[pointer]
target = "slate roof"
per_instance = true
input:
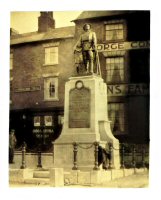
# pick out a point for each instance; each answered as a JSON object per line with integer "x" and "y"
{"x": 96, "y": 14}
{"x": 57, "y": 33}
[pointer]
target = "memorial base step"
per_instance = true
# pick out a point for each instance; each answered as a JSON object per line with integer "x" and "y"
{"x": 37, "y": 181}
{"x": 41, "y": 174}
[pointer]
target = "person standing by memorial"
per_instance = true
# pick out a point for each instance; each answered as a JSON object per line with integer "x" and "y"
{"x": 12, "y": 144}
{"x": 87, "y": 44}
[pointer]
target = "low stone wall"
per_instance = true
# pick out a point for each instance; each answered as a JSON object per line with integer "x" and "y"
{"x": 97, "y": 177}
{"x": 32, "y": 160}
{"x": 19, "y": 175}
{"x": 57, "y": 177}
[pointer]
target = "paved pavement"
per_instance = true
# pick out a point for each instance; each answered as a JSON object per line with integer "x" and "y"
{"x": 134, "y": 181}
{"x": 140, "y": 180}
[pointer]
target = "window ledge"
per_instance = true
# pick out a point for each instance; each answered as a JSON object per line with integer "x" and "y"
{"x": 51, "y": 64}
{"x": 55, "y": 99}
{"x": 50, "y": 75}
{"x": 120, "y": 133}
{"x": 113, "y": 41}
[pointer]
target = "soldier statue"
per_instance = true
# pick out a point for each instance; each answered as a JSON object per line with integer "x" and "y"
{"x": 87, "y": 45}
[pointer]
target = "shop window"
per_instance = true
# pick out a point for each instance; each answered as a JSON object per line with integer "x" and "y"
{"x": 60, "y": 119}
{"x": 43, "y": 120}
{"x": 37, "y": 121}
{"x": 51, "y": 89}
{"x": 51, "y": 55}
{"x": 114, "y": 31}
{"x": 115, "y": 70}
{"x": 11, "y": 61}
{"x": 117, "y": 117}
{"x": 48, "y": 120}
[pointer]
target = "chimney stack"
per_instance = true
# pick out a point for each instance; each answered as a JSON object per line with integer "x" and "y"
{"x": 46, "y": 22}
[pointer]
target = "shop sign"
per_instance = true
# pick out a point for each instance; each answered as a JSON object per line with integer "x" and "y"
{"x": 127, "y": 89}
{"x": 123, "y": 46}
{"x": 45, "y": 133}
{"x": 28, "y": 89}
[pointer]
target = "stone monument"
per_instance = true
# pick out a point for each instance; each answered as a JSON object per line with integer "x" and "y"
{"x": 86, "y": 120}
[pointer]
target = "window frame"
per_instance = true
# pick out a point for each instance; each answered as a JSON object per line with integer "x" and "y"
{"x": 47, "y": 86}
{"x": 48, "y": 47}
{"x": 11, "y": 89}
{"x": 123, "y": 121}
{"x": 51, "y": 56}
{"x": 11, "y": 60}
{"x": 37, "y": 124}
{"x": 112, "y": 23}
{"x": 60, "y": 119}
{"x": 121, "y": 68}
{"x": 46, "y": 122}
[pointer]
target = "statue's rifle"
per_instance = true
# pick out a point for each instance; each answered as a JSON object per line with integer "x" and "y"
{"x": 98, "y": 64}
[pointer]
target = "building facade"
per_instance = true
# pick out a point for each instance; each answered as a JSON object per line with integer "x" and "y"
{"x": 41, "y": 63}
{"x": 123, "y": 39}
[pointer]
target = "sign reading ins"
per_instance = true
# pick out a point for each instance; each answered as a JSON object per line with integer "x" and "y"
{"x": 127, "y": 89}
{"x": 123, "y": 46}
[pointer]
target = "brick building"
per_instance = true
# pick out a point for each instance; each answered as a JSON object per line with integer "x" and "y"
{"x": 42, "y": 61}
{"x": 124, "y": 52}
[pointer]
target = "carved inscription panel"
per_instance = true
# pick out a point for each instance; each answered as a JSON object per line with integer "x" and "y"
{"x": 79, "y": 108}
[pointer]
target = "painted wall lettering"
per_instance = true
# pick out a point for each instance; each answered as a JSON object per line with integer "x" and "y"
{"x": 127, "y": 89}
{"x": 110, "y": 46}
{"x": 28, "y": 89}
{"x": 123, "y": 46}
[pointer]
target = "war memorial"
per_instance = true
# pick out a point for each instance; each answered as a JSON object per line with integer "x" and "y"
{"x": 86, "y": 151}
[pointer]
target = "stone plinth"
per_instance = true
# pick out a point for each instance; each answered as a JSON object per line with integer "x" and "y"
{"x": 19, "y": 175}
{"x": 56, "y": 177}
{"x": 85, "y": 122}
{"x": 64, "y": 156}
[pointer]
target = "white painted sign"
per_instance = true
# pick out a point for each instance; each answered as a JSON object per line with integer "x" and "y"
{"x": 127, "y": 89}
{"x": 115, "y": 46}
{"x": 28, "y": 89}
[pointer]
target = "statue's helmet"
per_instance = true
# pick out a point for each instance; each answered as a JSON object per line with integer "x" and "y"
{"x": 85, "y": 25}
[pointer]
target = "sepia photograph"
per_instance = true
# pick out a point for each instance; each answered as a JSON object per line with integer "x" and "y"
{"x": 79, "y": 99}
